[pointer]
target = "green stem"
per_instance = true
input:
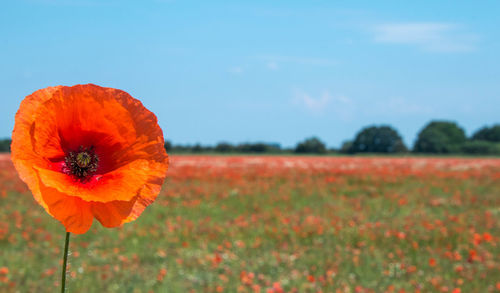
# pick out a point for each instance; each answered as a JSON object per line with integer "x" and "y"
{"x": 65, "y": 261}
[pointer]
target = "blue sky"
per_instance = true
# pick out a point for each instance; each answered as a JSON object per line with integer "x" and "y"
{"x": 273, "y": 71}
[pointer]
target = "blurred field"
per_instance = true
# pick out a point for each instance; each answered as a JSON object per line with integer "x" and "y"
{"x": 275, "y": 224}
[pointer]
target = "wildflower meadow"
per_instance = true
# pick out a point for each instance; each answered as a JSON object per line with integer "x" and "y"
{"x": 274, "y": 224}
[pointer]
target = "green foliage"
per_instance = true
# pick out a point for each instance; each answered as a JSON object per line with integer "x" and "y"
{"x": 5, "y": 145}
{"x": 373, "y": 139}
{"x": 440, "y": 137}
{"x": 197, "y": 148}
{"x": 259, "y": 147}
{"x": 168, "y": 145}
{"x": 312, "y": 146}
{"x": 346, "y": 147}
{"x": 481, "y": 147}
{"x": 491, "y": 134}
{"x": 224, "y": 147}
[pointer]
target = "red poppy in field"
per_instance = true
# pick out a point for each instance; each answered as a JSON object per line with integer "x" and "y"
{"x": 86, "y": 151}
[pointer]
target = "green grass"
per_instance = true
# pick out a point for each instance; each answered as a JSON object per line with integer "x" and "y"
{"x": 365, "y": 232}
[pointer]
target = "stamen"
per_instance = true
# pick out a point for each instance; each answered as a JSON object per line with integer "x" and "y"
{"x": 81, "y": 164}
{"x": 83, "y": 159}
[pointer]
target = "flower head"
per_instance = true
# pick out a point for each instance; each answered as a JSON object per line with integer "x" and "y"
{"x": 89, "y": 152}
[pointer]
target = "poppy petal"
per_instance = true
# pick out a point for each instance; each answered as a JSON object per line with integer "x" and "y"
{"x": 129, "y": 162}
{"x": 22, "y": 146}
{"x": 146, "y": 196}
{"x": 121, "y": 184}
{"x": 124, "y": 131}
{"x": 112, "y": 214}
{"x": 71, "y": 211}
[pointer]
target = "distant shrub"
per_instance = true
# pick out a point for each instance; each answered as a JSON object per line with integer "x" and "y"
{"x": 5, "y": 144}
{"x": 168, "y": 145}
{"x": 440, "y": 137}
{"x": 381, "y": 139}
{"x": 491, "y": 134}
{"x": 224, "y": 147}
{"x": 311, "y": 145}
{"x": 258, "y": 147}
{"x": 481, "y": 147}
{"x": 197, "y": 148}
{"x": 346, "y": 147}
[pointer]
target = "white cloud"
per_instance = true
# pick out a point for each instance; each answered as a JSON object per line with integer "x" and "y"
{"x": 341, "y": 106}
{"x": 312, "y": 104}
{"x": 428, "y": 36}
{"x": 346, "y": 109}
{"x": 235, "y": 70}
{"x": 272, "y": 65}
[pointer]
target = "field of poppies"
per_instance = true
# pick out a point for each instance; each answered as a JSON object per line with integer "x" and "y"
{"x": 275, "y": 224}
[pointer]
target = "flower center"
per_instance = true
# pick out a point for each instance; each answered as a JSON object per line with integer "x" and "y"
{"x": 81, "y": 164}
{"x": 83, "y": 159}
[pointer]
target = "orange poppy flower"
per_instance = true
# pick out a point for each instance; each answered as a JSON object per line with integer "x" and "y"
{"x": 87, "y": 151}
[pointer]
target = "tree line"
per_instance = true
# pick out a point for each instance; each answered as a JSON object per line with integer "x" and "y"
{"x": 437, "y": 137}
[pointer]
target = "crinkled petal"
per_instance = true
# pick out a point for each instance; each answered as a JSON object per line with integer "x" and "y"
{"x": 146, "y": 196}
{"x": 71, "y": 211}
{"x": 121, "y": 184}
{"x": 125, "y": 136}
{"x": 112, "y": 214}
{"x": 22, "y": 147}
